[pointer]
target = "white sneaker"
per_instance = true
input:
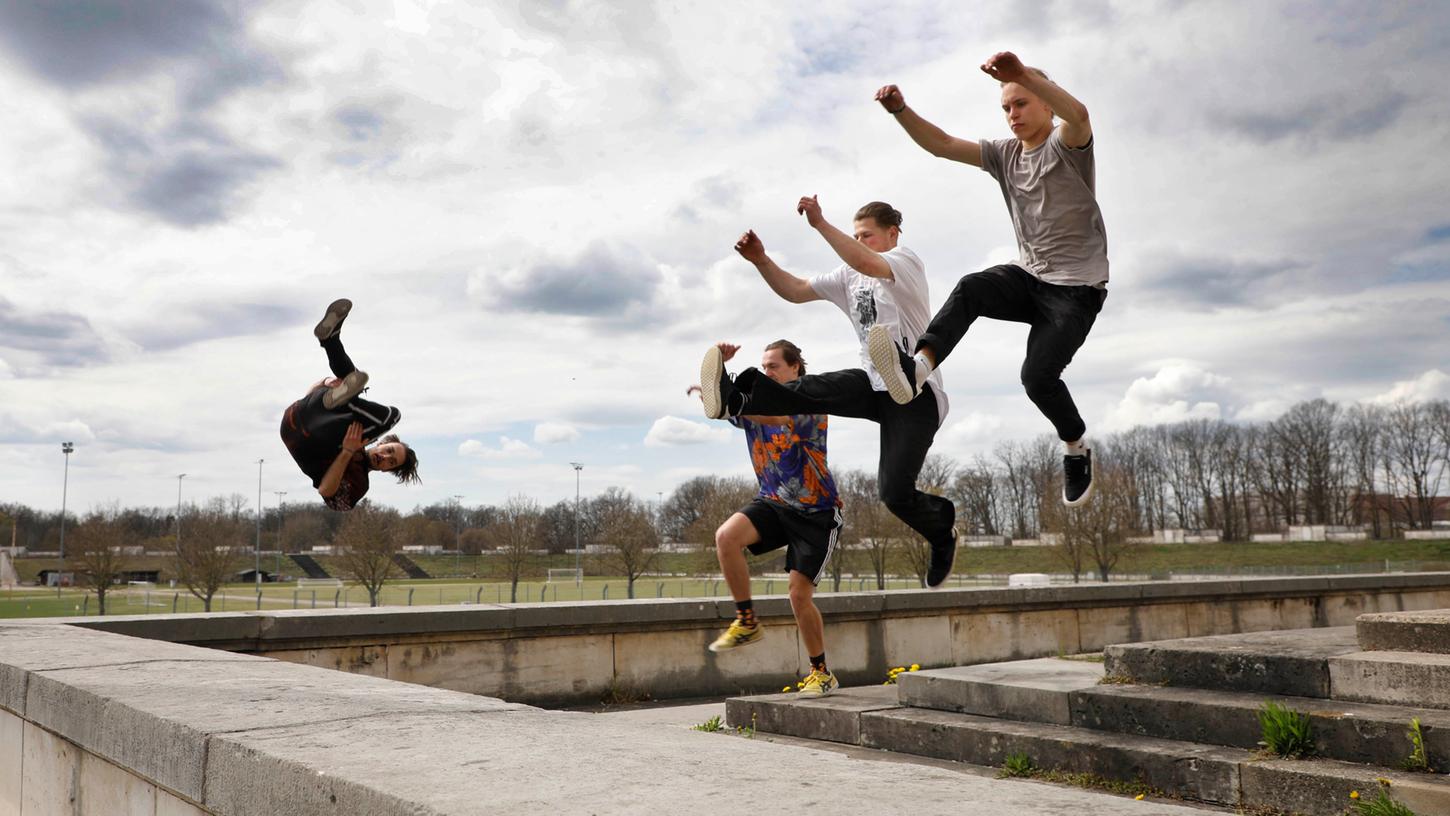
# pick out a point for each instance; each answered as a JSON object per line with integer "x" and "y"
{"x": 898, "y": 369}
{"x": 712, "y": 370}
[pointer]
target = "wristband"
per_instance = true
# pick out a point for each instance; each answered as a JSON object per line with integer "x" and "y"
{"x": 898, "y": 110}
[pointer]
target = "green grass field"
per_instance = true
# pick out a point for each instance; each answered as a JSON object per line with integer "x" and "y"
{"x": 455, "y": 581}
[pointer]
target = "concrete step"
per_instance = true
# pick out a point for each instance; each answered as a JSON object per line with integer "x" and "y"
{"x": 1293, "y": 662}
{"x": 1023, "y": 690}
{"x": 1352, "y": 732}
{"x": 1394, "y": 678}
{"x": 1426, "y": 631}
{"x": 1216, "y": 774}
{"x": 1068, "y": 692}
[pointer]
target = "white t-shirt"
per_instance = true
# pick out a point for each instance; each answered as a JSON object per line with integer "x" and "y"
{"x": 899, "y": 304}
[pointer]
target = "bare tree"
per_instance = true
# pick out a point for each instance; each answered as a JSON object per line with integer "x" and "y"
{"x": 101, "y": 543}
{"x": 714, "y": 499}
{"x": 1362, "y": 440}
{"x": 1106, "y": 521}
{"x": 867, "y": 529}
{"x": 210, "y": 551}
{"x": 627, "y": 531}
{"x": 369, "y": 538}
{"x": 975, "y": 493}
{"x": 1413, "y": 461}
{"x": 515, "y": 533}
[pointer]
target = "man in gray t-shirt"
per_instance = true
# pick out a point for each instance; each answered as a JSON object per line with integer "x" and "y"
{"x": 1059, "y": 282}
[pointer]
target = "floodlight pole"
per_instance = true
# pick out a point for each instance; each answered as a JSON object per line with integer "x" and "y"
{"x": 66, "y": 448}
{"x": 257, "y": 549}
{"x": 578, "y": 571}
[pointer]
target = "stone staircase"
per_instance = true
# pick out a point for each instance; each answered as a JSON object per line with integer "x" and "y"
{"x": 1180, "y": 716}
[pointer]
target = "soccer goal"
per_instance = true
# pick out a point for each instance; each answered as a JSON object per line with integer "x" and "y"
{"x": 565, "y": 575}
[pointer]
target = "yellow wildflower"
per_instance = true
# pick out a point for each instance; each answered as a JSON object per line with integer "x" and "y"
{"x": 1354, "y": 794}
{"x": 1138, "y": 798}
{"x": 787, "y": 688}
{"x": 916, "y": 667}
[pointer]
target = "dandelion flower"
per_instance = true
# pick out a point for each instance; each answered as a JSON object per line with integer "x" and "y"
{"x": 916, "y": 667}
{"x": 1138, "y": 798}
{"x": 787, "y": 688}
{"x": 1354, "y": 794}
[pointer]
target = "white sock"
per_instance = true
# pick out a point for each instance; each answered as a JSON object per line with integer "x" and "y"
{"x": 1076, "y": 448}
{"x": 923, "y": 368}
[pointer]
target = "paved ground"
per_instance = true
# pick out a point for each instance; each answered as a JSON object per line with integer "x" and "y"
{"x": 922, "y": 790}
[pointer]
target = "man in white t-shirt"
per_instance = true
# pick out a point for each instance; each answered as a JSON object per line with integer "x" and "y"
{"x": 1059, "y": 282}
{"x": 878, "y": 285}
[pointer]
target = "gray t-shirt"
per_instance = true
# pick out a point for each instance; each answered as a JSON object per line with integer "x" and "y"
{"x": 1050, "y": 193}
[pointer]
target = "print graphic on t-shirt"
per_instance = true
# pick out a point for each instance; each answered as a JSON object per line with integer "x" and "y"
{"x": 865, "y": 308}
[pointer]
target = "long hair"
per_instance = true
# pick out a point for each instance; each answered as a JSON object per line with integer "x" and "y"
{"x": 407, "y": 472}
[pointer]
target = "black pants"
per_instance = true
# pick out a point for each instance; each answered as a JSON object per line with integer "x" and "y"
{"x": 906, "y": 435}
{"x": 374, "y": 416}
{"x": 1060, "y": 316}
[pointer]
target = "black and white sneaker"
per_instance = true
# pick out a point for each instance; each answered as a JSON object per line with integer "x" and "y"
{"x": 896, "y": 367}
{"x": 331, "y": 322}
{"x": 346, "y": 388}
{"x": 717, "y": 392}
{"x": 1077, "y": 479}
{"x": 943, "y": 557}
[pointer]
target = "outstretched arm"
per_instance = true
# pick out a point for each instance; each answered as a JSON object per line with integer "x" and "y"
{"x": 1077, "y": 130}
{"x": 352, "y": 442}
{"x": 932, "y": 139}
{"x": 855, "y": 254}
{"x": 788, "y": 286}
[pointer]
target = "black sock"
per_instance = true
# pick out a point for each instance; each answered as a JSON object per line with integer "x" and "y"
{"x": 744, "y": 610}
{"x": 818, "y": 662}
{"x": 337, "y": 359}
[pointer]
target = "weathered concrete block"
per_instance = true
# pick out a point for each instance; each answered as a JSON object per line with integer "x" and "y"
{"x": 1201, "y": 772}
{"x": 1352, "y": 732}
{"x": 679, "y": 664}
{"x": 1291, "y": 663}
{"x": 1321, "y": 787}
{"x": 848, "y": 603}
{"x": 1420, "y": 631}
{"x": 168, "y": 805}
{"x": 1402, "y": 678}
{"x": 924, "y": 640}
{"x": 232, "y": 628}
{"x": 1342, "y": 609}
{"x": 531, "y": 670}
{"x": 1024, "y": 690}
{"x": 835, "y": 717}
{"x": 1102, "y": 626}
{"x": 988, "y": 637}
{"x": 12, "y": 740}
{"x": 322, "y": 625}
{"x": 52, "y": 766}
{"x": 371, "y": 661}
{"x": 106, "y": 790}
{"x": 621, "y": 613}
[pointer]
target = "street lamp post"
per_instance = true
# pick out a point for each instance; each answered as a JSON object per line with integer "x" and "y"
{"x": 257, "y": 550}
{"x": 281, "y": 524}
{"x": 458, "y": 534}
{"x": 66, "y": 448}
{"x": 179, "y": 477}
{"x": 578, "y": 571}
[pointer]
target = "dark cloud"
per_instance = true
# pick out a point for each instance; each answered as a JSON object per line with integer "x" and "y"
{"x": 718, "y": 193}
{"x": 54, "y": 337}
{"x": 174, "y": 165}
{"x": 186, "y": 324}
{"x": 1218, "y": 282}
{"x": 1335, "y": 117}
{"x": 603, "y": 282}
{"x": 358, "y": 123}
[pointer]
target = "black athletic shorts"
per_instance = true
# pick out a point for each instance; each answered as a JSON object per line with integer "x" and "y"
{"x": 808, "y": 538}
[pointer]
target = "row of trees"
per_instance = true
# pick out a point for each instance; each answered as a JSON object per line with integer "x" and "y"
{"x": 1319, "y": 463}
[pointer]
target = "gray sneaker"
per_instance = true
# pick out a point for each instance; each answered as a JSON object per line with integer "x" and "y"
{"x": 331, "y": 322}
{"x": 346, "y": 388}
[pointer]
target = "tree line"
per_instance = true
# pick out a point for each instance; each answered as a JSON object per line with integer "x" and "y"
{"x": 1379, "y": 468}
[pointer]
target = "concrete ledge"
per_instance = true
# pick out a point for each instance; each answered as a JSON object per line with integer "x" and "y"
{"x": 834, "y": 718}
{"x": 1426, "y": 631}
{"x": 1321, "y": 786}
{"x": 1024, "y": 690}
{"x": 1397, "y": 678}
{"x": 1290, "y": 663}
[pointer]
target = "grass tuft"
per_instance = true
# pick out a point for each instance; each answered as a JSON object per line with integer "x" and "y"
{"x": 1286, "y": 733}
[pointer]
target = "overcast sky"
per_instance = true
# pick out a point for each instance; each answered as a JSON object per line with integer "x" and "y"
{"x": 533, "y": 205}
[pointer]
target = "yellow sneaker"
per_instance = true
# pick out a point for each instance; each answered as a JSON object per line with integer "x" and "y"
{"x": 738, "y": 635}
{"x": 818, "y": 684}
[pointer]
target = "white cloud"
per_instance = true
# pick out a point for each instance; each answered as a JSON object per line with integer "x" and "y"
{"x": 1176, "y": 392}
{"x": 1432, "y": 385}
{"x": 671, "y": 431}
{"x": 552, "y": 433}
{"x": 507, "y": 449}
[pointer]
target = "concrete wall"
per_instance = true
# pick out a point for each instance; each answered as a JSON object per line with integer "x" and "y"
{"x": 578, "y": 653}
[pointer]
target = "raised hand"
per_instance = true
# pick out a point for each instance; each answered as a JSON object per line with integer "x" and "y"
{"x": 750, "y": 247}
{"x": 727, "y": 350}
{"x": 1004, "y": 66}
{"x": 811, "y": 209}
{"x": 352, "y": 441}
{"x": 891, "y": 99}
